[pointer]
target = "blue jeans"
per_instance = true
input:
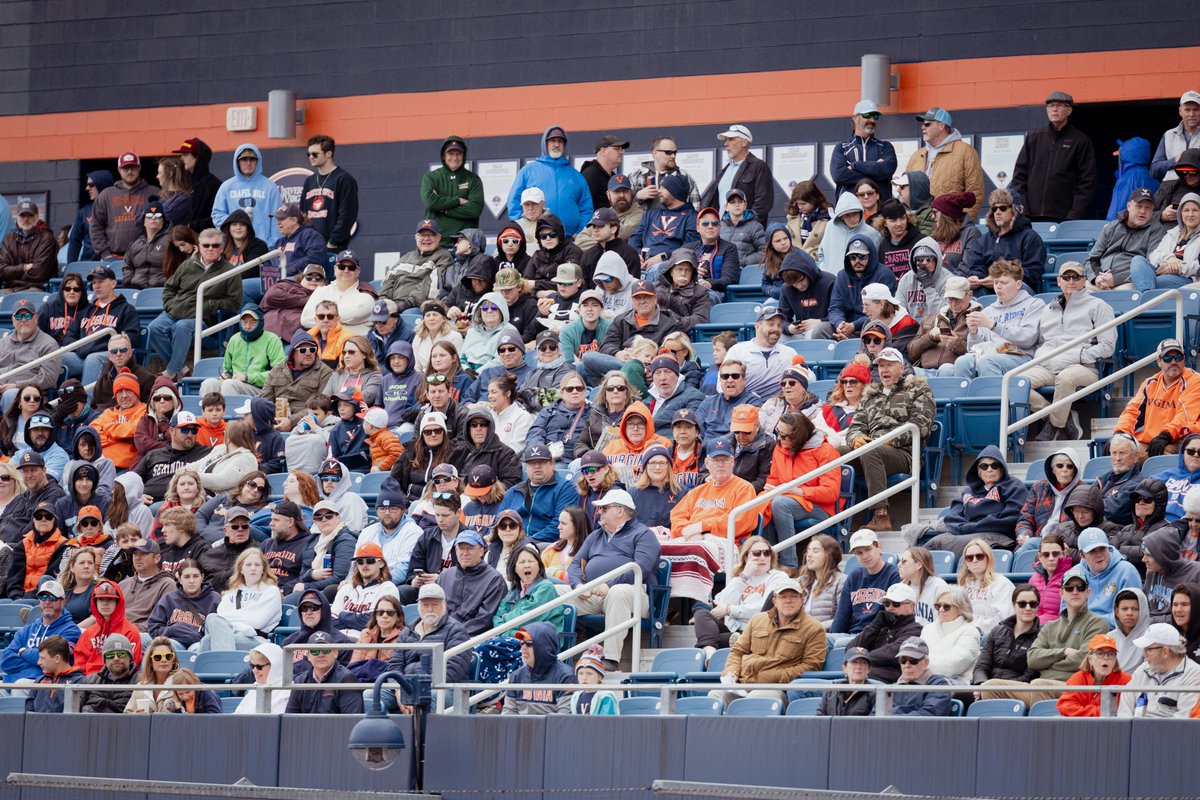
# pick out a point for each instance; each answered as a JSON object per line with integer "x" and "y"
{"x": 73, "y": 364}
{"x": 171, "y": 340}
{"x": 995, "y": 364}
{"x": 252, "y": 290}
{"x": 593, "y": 366}
{"x": 1144, "y": 278}
{"x": 788, "y": 517}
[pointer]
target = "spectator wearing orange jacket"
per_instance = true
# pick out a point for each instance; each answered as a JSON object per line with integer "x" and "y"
{"x": 799, "y": 449}
{"x": 1100, "y": 668}
{"x": 636, "y": 437}
{"x": 118, "y": 424}
{"x": 706, "y": 508}
{"x": 1166, "y": 407}
{"x": 385, "y": 445}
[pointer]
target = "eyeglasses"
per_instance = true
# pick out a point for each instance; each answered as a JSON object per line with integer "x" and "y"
{"x": 319, "y": 652}
{"x": 891, "y": 604}
{"x": 589, "y": 470}
{"x": 974, "y": 557}
{"x": 868, "y": 193}
{"x": 1074, "y": 588}
{"x": 48, "y": 598}
{"x": 870, "y": 115}
{"x": 1071, "y": 277}
{"x": 432, "y": 432}
{"x": 23, "y": 315}
{"x": 306, "y": 350}
{"x": 5, "y": 478}
{"x": 942, "y": 606}
{"x": 308, "y": 608}
{"x": 508, "y": 349}
{"x": 89, "y": 185}
{"x": 348, "y": 352}
{"x": 510, "y": 240}
{"x": 1050, "y": 554}
{"x": 385, "y": 612}
{"x": 323, "y": 517}
{"x": 1002, "y": 207}
{"x": 925, "y": 123}
{"x": 89, "y": 523}
{"x": 479, "y": 424}
{"x": 709, "y": 223}
{"x": 909, "y": 660}
{"x": 164, "y": 398}
{"x": 731, "y": 376}
{"x": 326, "y": 316}
{"x": 115, "y": 656}
{"x": 239, "y": 526}
{"x": 1193, "y": 452}
{"x": 616, "y": 388}
{"x": 1026, "y": 604}
{"x": 1172, "y": 358}
{"x": 1063, "y": 466}
{"x": 118, "y": 351}
{"x": 548, "y": 347}
{"x": 346, "y": 267}
{"x": 547, "y": 235}
{"x": 210, "y": 245}
{"x": 160, "y": 658}
{"x": 849, "y": 381}
{"x": 365, "y": 561}
{"x": 444, "y": 479}
{"x": 573, "y": 389}
{"x": 489, "y": 307}
{"x": 668, "y": 152}
{"x": 257, "y": 667}
{"x": 990, "y": 465}
{"x": 761, "y": 553}
{"x": 311, "y": 154}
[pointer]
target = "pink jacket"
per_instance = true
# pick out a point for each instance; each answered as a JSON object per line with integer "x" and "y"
{"x": 1050, "y": 589}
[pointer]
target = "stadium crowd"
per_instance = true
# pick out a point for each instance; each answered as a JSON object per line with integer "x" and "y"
{"x": 537, "y": 415}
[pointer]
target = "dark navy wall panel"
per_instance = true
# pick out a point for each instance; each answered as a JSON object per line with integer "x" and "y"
{"x": 1162, "y": 758}
{"x": 872, "y": 754}
{"x": 1043, "y": 750}
{"x": 226, "y": 749}
{"x": 73, "y": 55}
{"x": 12, "y": 734}
{"x": 492, "y": 753}
{"x": 313, "y": 754}
{"x": 788, "y": 751}
{"x": 100, "y": 745}
{"x": 646, "y": 748}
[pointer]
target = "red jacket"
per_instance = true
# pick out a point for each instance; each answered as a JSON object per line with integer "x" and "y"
{"x": 88, "y": 654}
{"x": 1087, "y": 704}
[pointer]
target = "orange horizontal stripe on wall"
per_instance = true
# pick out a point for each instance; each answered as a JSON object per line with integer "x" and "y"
{"x": 995, "y": 82}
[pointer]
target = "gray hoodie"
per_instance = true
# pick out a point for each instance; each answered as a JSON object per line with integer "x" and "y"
{"x": 1017, "y": 325}
{"x": 613, "y": 266}
{"x": 1129, "y": 655}
{"x": 922, "y": 292}
{"x": 831, "y": 255}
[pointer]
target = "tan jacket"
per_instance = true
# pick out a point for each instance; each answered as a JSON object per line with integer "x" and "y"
{"x": 769, "y": 653}
{"x": 955, "y": 170}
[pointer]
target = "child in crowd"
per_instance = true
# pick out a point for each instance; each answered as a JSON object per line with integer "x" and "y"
{"x": 308, "y": 445}
{"x": 721, "y": 344}
{"x": 212, "y": 422}
{"x": 589, "y": 671}
{"x": 384, "y": 445}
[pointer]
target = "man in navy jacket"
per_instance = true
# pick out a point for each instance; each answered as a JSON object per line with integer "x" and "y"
{"x": 864, "y": 156}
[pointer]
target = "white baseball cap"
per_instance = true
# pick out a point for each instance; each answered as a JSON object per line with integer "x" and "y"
{"x": 736, "y": 132}
{"x": 901, "y": 593}
{"x": 616, "y": 497}
{"x": 1191, "y": 96}
{"x": 877, "y": 291}
{"x": 865, "y": 107}
{"x": 533, "y": 195}
{"x": 1160, "y": 633}
{"x": 244, "y": 408}
{"x": 863, "y": 538}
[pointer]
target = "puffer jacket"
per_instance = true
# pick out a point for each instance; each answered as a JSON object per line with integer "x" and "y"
{"x": 1050, "y": 588}
{"x": 786, "y": 466}
{"x": 144, "y": 260}
{"x": 953, "y": 648}
{"x": 282, "y": 305}
{"x": 1019, "y": 243}
{"x": 747, "y": 234}
{"x": 690, "y": 303}
{"x": 1044, "y": 496}
{"x": 1002, "y": 653}
{"x": 557, "y": 423}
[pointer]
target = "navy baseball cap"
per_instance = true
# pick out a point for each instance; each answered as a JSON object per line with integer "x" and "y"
{"x": 619, "y": 182}
{"x": 537, "y": 452}
{"x": 720, "y": 447}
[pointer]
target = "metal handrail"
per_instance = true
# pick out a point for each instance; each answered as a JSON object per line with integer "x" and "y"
{"x": 201, "y": 331}
{"x": 66, "y": 348}
{"x": 1006, "y": 428}
{"x": 913, "y": 480}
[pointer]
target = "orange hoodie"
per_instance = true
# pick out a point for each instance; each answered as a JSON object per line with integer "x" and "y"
{"x": 822, "y": 491}
{"x": 385, "y": 449}
{"x": 710, "y": 505}
{"x": 626, "y": 457}
{"x": 116, "y": 429}
{"x": 88, "y": 653}
{"x": 1087, "y": 704}
{"x": 210, "y": 435}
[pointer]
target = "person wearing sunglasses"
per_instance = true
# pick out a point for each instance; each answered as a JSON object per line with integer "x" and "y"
{"x": 950, "y": 162}
{"x": 369, "y": 581}
{"x": 20, "y": 658}
{"x": 550, "y": 368}
{"x": 1011, "y": 237}
{"x": 171, "y": 333}
{"x": 489, "y": 322}
{"x": 507, "y": 537}
{"x": 291, "y": 383}
{"x": 511, "y": 251}
{"x": 119, "y": 355}
{"x": 644, "y": 181}
{"x": 860, "y": 269}
{"x": 539, "y": 664}
{"x": 1156, "y": 415}
{"x": 249, "y": 188}
{"x": 328, "y": 331}
{"x": 952, "y": 638}
{"x": 913, "y": 658}
{"x": 154, "y": 429}
{"x": 85, "y": 521}
{"x": 942, "y": 337}
{"x": 324, "y": 668}
{"x": 159, "y": 467}
{"x": 267, "y": 663}
{"x": 1045, "y": 506}
{"x": 1003, "y": 652}
{"x": 756, "y": 576}
{"x": 989, "y": 508}
{"x": 160, "y": 663}
{"x": 283, "y": 303}
{"x": 353, "y": 297}
{"x": 561, "y": 425}
{"x": 482, "y": 445}
{"x": 59, "y": 311}
{"x": 863, "y": 155}
{"x": 143, "y": 267}
{"x": 119, "y": 668}
{"x": 37, "y": 551}
{"x": 409, "y": 281}
{"x": 328, "y": 553}
{"x": 39, "y": 438}
{"x": 26, "y": 343}
{"x": 1053, "y": 561}
{"x": 554, "y": 248}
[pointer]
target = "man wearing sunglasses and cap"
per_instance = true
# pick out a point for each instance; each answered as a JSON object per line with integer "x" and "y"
{"x": 39, "y": 438}
{"x": 24, "y": 344}
{"x": 952, "y": 165}
{"x": 159, "y": 465}
{"x": 119, "y": 668}
{"x": 863, "y": 155}
{"x": 299, "y": 377}
{"x": 28, "y": 254}
{"x": 1166, "y": 406}
{"x": 20, "y": 658}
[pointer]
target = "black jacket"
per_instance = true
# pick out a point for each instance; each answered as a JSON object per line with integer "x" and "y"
{"x": 17, "y": 518}
{"x": 427, "y": 555}
{"x": 326, "y": 702}
{"x": 882, "y": 637}
{"x": 753, "y": 463}
{"x": 847, "y": 704}
{"x": 729, "y": 261}
{"x": 415, "y": 662}
{"x": 543, "y": 264}
{"x": 1002, "y": 654}
{"x": 492, "y": 452}
{"x": 204, "y": 189}
{"x": 597, "y": 181}
{"x": 1118, "y": 504}
{"x": 217, "y": 561}
{"x": 754, "y": 178}
{"x": 591, "y": 257}
{"x": 106, "y": 702}
{"x": 1056, "y": 173}
{"x": 624, "y": 328}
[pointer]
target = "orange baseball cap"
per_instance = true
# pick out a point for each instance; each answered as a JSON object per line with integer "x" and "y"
{"x": 1102, "y": 642}
{"x": 369, "y": 550}
{"x": 745, "y": 417}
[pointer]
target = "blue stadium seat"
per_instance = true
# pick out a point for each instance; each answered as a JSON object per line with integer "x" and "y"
{"x": 822, "y": 388}
{"x": 1044, "y": 708}
{"x": 289, "y": 623}
{"x": 11, "y": 622}
{"x": 754, "y": 707}
{"x": 803, "y": 707}
{"x": 567, "y": 637}
{"x": 411, "y": 614}
{"x": 1023, "y": 560}
{"x": 367, "y": 486}
{"x": 12, "y": 705}
{"x": 275, "y": 481}
{"x": 956, "y": 708}
{"x": 699, "y": 706}
{"x": 410, "y": 315}
{"x": 801, "y": 693}
{"x": 704, "y": 352}
{"x": 943, "y": 561}
{"x": 996, "y": 708}
{"x": 232, "y": 403}
{"x": 204, "y": 368}
{"x": 737, "y": 317}
{"x": 148, "y": 304}
{"x": 639, "y": 706}
{"x": 1003, "y": 559}
{"x": 749, "y": 285}
{"x": 1075, "y": 234}
{"x": 670, "y": 665}
{"x": 832, "y": 668}
{"x": 846, "y": 349}
{"x": 191, "y": 402}
{"x": 712, "y": 672}
{"x": 219, "y": 666}
{"x": 1036, "y": 472}
{"x": 977, "y": 418}
{"x": 230, "y": 704}
{"x": 1096, "y": 467}
{"x": 1054, "y": 261}
{"x": 660, "y": 596}
{"x": 1156, "y": 464}
{"x": 818, "y": 353}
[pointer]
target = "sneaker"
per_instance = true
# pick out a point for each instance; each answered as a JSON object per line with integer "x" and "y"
{"x": 1048, "y": 433}
{"x": 1071, "y": 431}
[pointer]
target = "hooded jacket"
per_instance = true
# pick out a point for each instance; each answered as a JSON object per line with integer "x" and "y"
{"x": 920, "y": 291}
{"x": 1020, "y": 243}
{"x": 1134, "y": 172}
{"x": 664, "y": 230}
{"x": 20, "y": 658}
{"x": 1046, "y": 502}
{"x": 543, "y": 264}
{"x": 1104, "y": 585}
{"x": 205, "y": 186}
{"x": 1163, "y": 546}
{"x": 690, "y": 303}
{"x": 252, "y": 354}
{"x": 521, "y": 259}
{"x": 897, "y": 256}
{"x": 882, "y": 637}
{"x": 411, "y": 280}
{"x": 285, "y": 381}
{"x": 492, "y": 451}
{"x": 1117, "y": 245}
{"x": 257, "y": 195}
{"x": 282, "y": 304}
{"x": 143, "y": 266}
{"x": 458, "y": 291}
{"x": 618, "y": 302}
{"x": 1017, "y": 325}
{"x": 626, "y": 457}
{"x": 79, "y": 240}
{"x": 442, "y": 192}
{"x": 1179, "y": 481}
{"x": 566, "y": 190}
{"x": 115, "y": 217}
{"x": 920, "y": 201}
{"x": 1128, "y": 539}
{"x": 154, "y": 432}
{"x": 351, "y": 507}
{"x": 278, "y": 699}
{"x": 68, "y": 506}
{"x": 472, "y": 595}
{"x": 398, "y": 390}
{"x": 813, "y": 302}
{"x": 845, "y": 304}
{"x": 987, "y": 510}
{"x": 1172, "y": 191}
{"x": 1088, "y": 704}
{"x": 479, "y": 346}
{"x": 831, "y": 255}
{"x": 118, "y": 313}
{"x": 1056, "y": 172}
{"x": 747, "y": 234}
{"x": 1130, "y": 655}
{"x": 952, "y": 169}
{"x": 181, "y": 617}
{"x": 546, "y": 669}
{"x": 88, "y": 654}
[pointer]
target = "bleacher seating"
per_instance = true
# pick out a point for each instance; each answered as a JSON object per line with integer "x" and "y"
{"x": 754, "y": 707}
{"x": 996, "y": 708}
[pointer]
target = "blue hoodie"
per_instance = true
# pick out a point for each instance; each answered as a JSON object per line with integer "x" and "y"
{"x": 1133, "y": 172}
{"x": 813, "y": 302}
{"x": 398, "y": 390}
{"x": 79, "y": 240}
{"x": 257, "y": 195}
{"x": 846, "y": 303}
{"x": 268, "y": 442}
{"x": 1118, "y": 575}
{"x": 18, "y": 664}
{"x": 539, "y": 506}
{"x": 566, "y": 190}
{"x": 1179, "y": 481}
{"x": 978, "y": 509}
{"x": 546, "y": 669}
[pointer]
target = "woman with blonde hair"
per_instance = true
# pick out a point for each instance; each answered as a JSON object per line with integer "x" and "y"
{"x": 159, "y": 663}
{"x": 754, "y": 578}
{"x": 642, "y": 352}
{"x": 820, "y": 575}
{"x": 679, "y": 345}
{"x": 434, "y": 326}
{"x": 916, "y": 569}
{"x": 357, "y": 369}
{"x": 223, "y": 469}
{"x": 188, "y": 701}
{"x": 614, "y": 395}
{"x": 12, "y": 485}
{"x": 249, "y": 609}
{"x": 990, "y": 592}
{"x": 78, "y": 578}
{"x": 184, "y": 491}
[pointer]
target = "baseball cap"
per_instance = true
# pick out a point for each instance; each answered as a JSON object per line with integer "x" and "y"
{"x": 445, "y": 470}
{"x": 368, "y": 550}
{"x": 858, "y": 246}
{"x": 1060, "y": 97}
{"x": 508, "y": 278}
{"x": 1102, "y": 641}
{"x": 128, "y": 159}
{"x": 533, "y": 195}
{"x": 568, "y": 273}
{"x": 30, "y": 459}
{"x": 116, "y": 643}
{"x": 27, "y": 206}
{"x": 347, "y": 255}
{"x": 40, "y": 420}
{"x": 664, "y": 362}
{"x": 431, "y": 591}
{"x": 89, "y": 512}
{"x": 901, "y": 180}
{"x": 736, "y": 131}
{"x": 556, "y": 133}
{"x": 643, "y": 287}
{"x": 480, "y": 480}
{"x": 789, "y": 585}
{"x": 615, "y": 497}
{"x": 106, "y": 590}
{"x": 591, "y": 294}
{"x": 377, "y": 417}
{"x": 536, "y": 452}
{"x": 102, "y": 272}
{"x": 732, "y": 193}
{"x": 189, "y": 146}
{"x": 428, "y": 225}
{"x": 618, "y": 182}
{"x": 720, "y": 448}
{"x": 1091, "y": 538}
{"x": 1160, "y": 633}
{"x": 52, "y": 587}
{"x": 768, "y": 311}
{"x": 1075, "y": 573}
{"x": 237, "y": 512}
{"x": 286, "y": 210}
{"x": 863, "y": 538}
{"x": 383, "y": 310}
{"x": 469, "y": 537}
{"x": 182, "y": 418}
{"x": 314, "y": 269}
{"x": 856, "y": 653}
{"x": 865, "y": 107}
{"x": 745, "y": 417}
{"x": 877, "y": 291}
{"x": 510, "y": 338}
{"x": 1141, "y": 195}
{"x": 608, "y": 140}
{"x": 593, "y": 458}
{"x": 455, "y": 145}
{"x": 244, "y": 408}
{"x": 284, "y": 508}
{"x": 1169, "y": 345}
{"x": 606, "y": 216}
{"x": 936, "y": 114}
{"x": 957, "y": 287}
{"x": 24, "y": 304}
{"x": 901, "y": 593}
{"x": 914, "y": 647}
{"x": 685, "y": 415}
{"x": 320, "y": 637}
{"x": 890, "y": 354}
{"x": 1190, "y": 96}
{"x": 147, "y": 546}
{"x": 326, "y": 505}
{"x": 1071, "y": 266}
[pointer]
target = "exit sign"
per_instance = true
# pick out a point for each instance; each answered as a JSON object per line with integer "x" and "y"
{"x": 241, "y": 118}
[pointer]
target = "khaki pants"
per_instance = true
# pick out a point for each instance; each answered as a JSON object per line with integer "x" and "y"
{"x": 616, "y": 606}
{"x": 228, "y": 386}
{"x": 727, "y": 696}
{"x": 1066, "y": 382}
{"x": 1028, "y": 698}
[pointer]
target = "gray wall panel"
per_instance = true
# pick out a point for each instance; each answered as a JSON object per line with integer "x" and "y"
{"x": 646, "y": 748}
{"x": 1162, "y": 758}
{"x": 488, "y": 752}
{"x": 214, "y": 749}
{"x": 313, "y": 754}
{"x": 927, "y": 755}
{"x": 101, "y": 745}
{"x": 1043, "y": 748}
{"x": 788, "y": 751}
{"x": 12, "y": 734}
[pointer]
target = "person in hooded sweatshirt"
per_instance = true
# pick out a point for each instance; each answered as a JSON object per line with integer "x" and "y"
{"x": 336, "y": 486}
{"x": 553, "y": 248}
{"x": 1131, "y": 617}
{"x": 1182, "y": 478}
{"x": 399, "y": 382}
{"x": 899, "y": 233}
{"x": 1133, "y": 172}
{"x": 805, "y": 296}
{"x": 196, "y": 156}
{"x": 481, "y": 445}
{"x": 1043, "y": 509}
{"x": 1149, "y": 500}
{"x": 912, "y": 189}
{"x": 988, "y": 509}
{"x": 250, "y": 354}
{"x": 1106, "y": 571}
{"x": 242, "y": 245}
{"x": 269, "y": 445}
{"x": 316, "y": 617}
{"x": 1010, "y": 237}
{"x": 347, "y": 440}
{"x": 79, "y": 240}
{"x": 1005, "y": 334}
{"x": 922, "y": 290}
{"x": 108, "y": 611}
{"x": 452, "y": 194}
{"x": 81, "y": 480}
{"x": 20, "y": 657}
{"x": 250, "y": 190}
{"x": 488, "y": 321}
{"x": 615, "y": 283}
{"x": 511, "y": 249}
{"x": 847, "y": 223}
{"x": 267, "y": 663}
{"x": 861, "y": 269}
{"x": 143, "y": 266}
{"x": 566, "y": 190}
{"x": 1165, "y": 570}
{"x": 180, "y": 613}
{"x": 540, "y": 664}
{"x": 471, "y": 275}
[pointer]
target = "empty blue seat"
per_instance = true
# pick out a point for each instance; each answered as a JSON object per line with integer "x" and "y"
{"x": 737, "y": 317}
{"x": 699, "y": 706}
{"x": 203, "y": 369}
{"x": 996, "y": 708}
{"x": 12, "y": 705}
{"x": 943, "y": 561}
{"x": 1044, "y": 708}
{"x": 219, "y": 666}
{"x": 639, "y": 706}
{"x": 754, "y": 707}
{"x": 832, "y": 668}
{"x": 804, "y": 707}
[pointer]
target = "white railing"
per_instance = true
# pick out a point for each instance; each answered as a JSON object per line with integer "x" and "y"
{"x": 202, "y": 331}
{"x": 66, "y": 348}
{"x": 1006, "y": 428}
{"x": 913, "y": 480}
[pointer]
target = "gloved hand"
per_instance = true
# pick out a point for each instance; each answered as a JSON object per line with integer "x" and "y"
{"x": 1158, "y": 444}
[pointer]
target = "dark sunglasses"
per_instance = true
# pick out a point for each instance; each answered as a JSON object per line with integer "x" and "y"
{"x": 89, "y": 523}
{"x": 548, "y": 347}
{"x": 975, "y": 557}
{"x": 508, "y": 526}
{"x": 1071, "y": 277}
{"x": 858, "y": 256}
{"x": 489, "y": 307}
{"x": 1172, "y": 358}
{"x": 73, "y": 289}
{"x": 432, "y": 432}
{"x": 189, "y": 430}
{"x": 257, "y": 667}
{"x": 23, "y": 315}
{"x": 508, "y": 349}
{"x": 48, "y": 598}
{"x": 43, "y": 517}
{"x": 443, "y": 495}
{"x": 1074, "y": 588}
{"x": 444, "y": 479}
{"x": 1193, "y": 452}
{"x": 239, "y": 526}
{"x": 849, "y": 381}
{"x": 547, "y": 235}
{"x": 385, "y": 612}
{"x": 211, "y": 245}
{"x": 589, "y": 470}
{"x": 891, "y": 604}
{"x": 323, "y": 517}
{"x": 308, "y": 608}
{"x": 365, "y": 561}
{"x": 479, "y": 424}
{"x": 668, "y": 152}
{"x": 319, "y": 652}
{"x": 870, "y": 115}
{"x": 990, "y": 465}
{"x": 326, "y": 316}
{"x": 118, "y": 351}
{"x": 345, "y": 267}
{"x": 1002, "y": 207}
{"x": 709, "y": 223}
{"x": 766, "y": 553}
{"x": 909, "y": 660}
{"x": 790, "y": 382}
{"x": 116, "y": 655}
{"x": 314, "y": 155}
{"x": 334, "y": 478}
{"x": 616, "y": 388}
{"x": 573, "y": 389}
{"x": 731, "y": 376}
{"x": 942, "y": 606}
{"x": 1026, "y": 604}
{"x": 1050, "y": 554}
{"x": 926, "y": 123}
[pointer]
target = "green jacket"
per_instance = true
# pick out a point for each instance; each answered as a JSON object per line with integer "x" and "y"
{"x": 572, "y": 334}
{"x": 514, "y": 605}
{"x": 253, "y": 359}
{"x": 179, "y": 293}
{"x": 1046, "y": 653}
{"x": 910, "y": 400}
{"x": 441, "y": 190}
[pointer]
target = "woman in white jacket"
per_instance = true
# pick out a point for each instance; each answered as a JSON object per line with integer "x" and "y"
{"x": 249, "y": 609}
{"x": 1175, "y": 260}
{"x": 990, "y": 592}
{"x": 755, "y": 577}
{"x": 369, "y": 580}
{"x": 953, "y": 639}
{"x": 354, "y": 299}
{"x": 266, "y": 662}
{"x": 916, "y": 569}
{"x": 225, "y": 466}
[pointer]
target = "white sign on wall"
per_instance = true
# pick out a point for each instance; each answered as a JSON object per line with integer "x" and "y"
{"x": 793, "y": 163}
{"x": 699, "y": 164}
{"x": 998, "y": 156}
{"x": 497, "y": 177}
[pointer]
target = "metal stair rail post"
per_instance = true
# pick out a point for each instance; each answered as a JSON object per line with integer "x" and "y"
{"x": 66, "y": 348}
{"x": 913, "y": 480}
{"x": 1006, "y": 428}
{"x": 201, "y": 331}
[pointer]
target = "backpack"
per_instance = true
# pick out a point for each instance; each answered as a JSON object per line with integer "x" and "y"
{"x": 497, "y": 659}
